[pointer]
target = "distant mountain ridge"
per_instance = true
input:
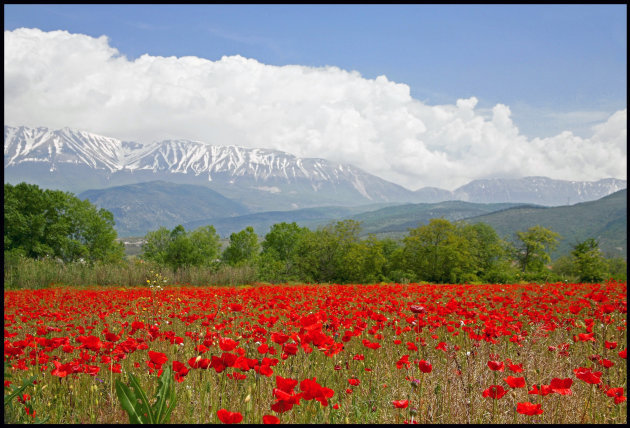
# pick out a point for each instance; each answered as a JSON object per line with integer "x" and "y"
{"x": 140, "y": 208}
{"x": 259, "y": 179}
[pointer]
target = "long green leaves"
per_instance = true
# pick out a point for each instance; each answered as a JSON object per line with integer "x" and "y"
{"x": 135, "y": 402}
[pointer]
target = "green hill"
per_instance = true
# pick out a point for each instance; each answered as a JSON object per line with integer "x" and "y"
{"x": 605, "y": 219}
{"x": 397, "y": 220}
{"x": 138, "y": 208}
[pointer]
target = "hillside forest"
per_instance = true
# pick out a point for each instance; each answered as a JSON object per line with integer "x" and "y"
{"x": 51, "y": 236}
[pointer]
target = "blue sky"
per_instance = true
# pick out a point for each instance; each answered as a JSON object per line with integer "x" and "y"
{"x": 557, "y": 67}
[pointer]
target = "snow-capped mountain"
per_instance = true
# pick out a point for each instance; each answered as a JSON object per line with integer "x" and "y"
{"x": 537, "y": 190}
{"x": 262, "y": 179}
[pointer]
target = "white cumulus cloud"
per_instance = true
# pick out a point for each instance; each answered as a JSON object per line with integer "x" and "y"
{"x": 58, "y": 79}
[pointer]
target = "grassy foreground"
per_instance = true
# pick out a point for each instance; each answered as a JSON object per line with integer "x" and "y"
{"x": 553, "y": 353}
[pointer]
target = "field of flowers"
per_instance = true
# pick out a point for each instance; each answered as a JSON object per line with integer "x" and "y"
{"x": 553, "y": 353}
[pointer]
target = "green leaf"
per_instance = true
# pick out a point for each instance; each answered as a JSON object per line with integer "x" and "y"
{"x": 165, "y": 385}
{"x": 17, "y": 391}
{"x": 129, "y": 403}
{"x": 143, "y": 397}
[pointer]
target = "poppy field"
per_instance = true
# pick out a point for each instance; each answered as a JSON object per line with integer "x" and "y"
{"x": 383, "y": 353}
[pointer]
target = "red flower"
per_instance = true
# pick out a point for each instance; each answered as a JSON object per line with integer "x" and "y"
{"x": 561, "y": 386}
{"x": 544, "y": 390}
{"x": 270, "y": 419}
{"x": 354, "y": 382}
{"x": 226, "y": 344}
{"x": 515, "y": 382}
{"x": 516, "y": 368}
{"x": 400, "y": 404}
{"x": 529, "y": 409}
{"x": 425, "y": 367}
{"x": 496, "y": 365}
{"x": 312, "y": 390}
{"x": 587, "y": 375}
{"x": 623, "y": 353}
{"x": 441, "y": 346}
{"x": 495, "y": 391}
{"x": 610, "y": 345}
{"x": 417, "y": 309}
{"x": 228, "y": 417}
{"x": 403, "y": 362}
{"x": 286, "y": 385}
{"x": 157, "y": 358}
{"x": 279, "y": 338}
{"x": 614, "y": 392}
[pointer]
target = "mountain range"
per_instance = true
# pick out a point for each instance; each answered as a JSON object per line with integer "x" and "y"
{"x": 258, "y": 179}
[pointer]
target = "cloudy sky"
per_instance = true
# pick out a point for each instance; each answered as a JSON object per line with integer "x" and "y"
{"x": 419, "y": 95}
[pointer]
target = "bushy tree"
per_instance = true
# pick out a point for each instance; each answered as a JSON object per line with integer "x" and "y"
{"x": 588, "y": 261}
{"x": 437, "y": 252}
{"x": 277, "y": 259}
{"x": 533, "y": 248}
{"x": 178, "y": 248}
{"x": 243, "y": 247}
{"x": 51, "y": 223}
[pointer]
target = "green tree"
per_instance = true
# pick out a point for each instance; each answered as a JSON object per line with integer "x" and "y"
{"x": 533, "y": 248}
{"x": 323, "y": 255}
{"x": 51, "y": 223}
{"x": 437, "y": 252}
{"x": 178, "y": 248}
{"x": 277, "y": 259}
{"x": 588, "y": 261}
{"x": 156, "y": 244}
{"x": 243, "y": 247}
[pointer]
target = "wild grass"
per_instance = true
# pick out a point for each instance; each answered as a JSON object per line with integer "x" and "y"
{"x": 26, "y": 273}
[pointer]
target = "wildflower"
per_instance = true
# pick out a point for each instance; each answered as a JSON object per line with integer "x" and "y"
{"x": 515, "y": 382}
{"x": 496, "y": 365}
{"x": 228, "y": 417}
{"x": 425, "y": 367}
{"x": 495, "y": 391}
{"x": 400, "y": 404}
{"x": 529, "y": 409}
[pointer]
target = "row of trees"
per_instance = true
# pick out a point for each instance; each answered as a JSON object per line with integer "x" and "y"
{"x": 439, "y": 252}
{"x": 57, "y": 225}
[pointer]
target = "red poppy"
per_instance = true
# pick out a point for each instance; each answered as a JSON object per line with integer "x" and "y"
{"x": 561, "y": 386}
{"x": 270, "y": 419}
{"x": 496, "y": 365}
{"x": 425, "y": 367}
{"x": 615, "y": 392}
{"x": 403, "y": 362}
{"x": 610, "y": 345}
{"x": 226, "y": 344}
{"x": 529, "y": 409}
{"x": 228, "y": 417}
{"x": 441, "y": 346}
{"x": 516, "y": 368}
{"x": 623, "y": 353}
{"x": 354, "y": 382}
{"x": 400, "y": 404}
{"x": 495, "y": 391}
{"x": 279, "y": 338}
{"x": 515, "y": 382}
{"x": 286, "y": 385}
{"x": 417, "y": 309}
{"x": 157, "y": 358}
{"x": 587, "y": 375}
{"x": 544, "y": 390}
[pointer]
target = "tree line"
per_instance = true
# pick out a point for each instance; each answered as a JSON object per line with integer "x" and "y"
{"x": 53, "y": 224}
